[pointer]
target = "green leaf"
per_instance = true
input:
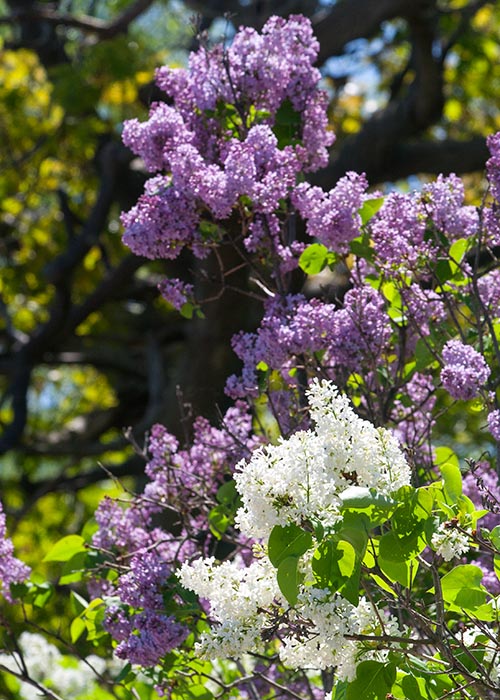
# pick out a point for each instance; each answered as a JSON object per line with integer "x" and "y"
{"x": 289, "y": 541}
{"x": 369, "y": 208}
{"x": 402, "y": 572}
{"x": 123, "y": 673}
{"x": 413, "y": 687}
{"x": 287, "y": 124}
{"x": 77, "y": 628}
{"x": 361, "y": 247}
{"x": 444, "y": 271}
{"x": 228, "y": 495}
{"x": 462, "y": 587}
{"x": 452, "y": 479}
{"x": 66, "y": 548}
{"x": 313, "y": 259}
{"x": 458, "y": 250}
{"x": 336, "y": 566}
{"x": 445, "y": 455}
{"x": 187, "y": 310}
{"x": 423, "y": 355}
{"x": 340, "y": 690}
{"x": 355, "y": 529}
{"x": 400, "y": 549}
{"x": 373, "y": 681}
{"x": 218, "y": 521}
{"x": 78, "y": 603}
{"x": 288, "y": 578}
{"x": 72, "y": 570}
{"x": 41, "y": 594}
{"x": 364, "y": 497}
{"x": 495, "y": 540}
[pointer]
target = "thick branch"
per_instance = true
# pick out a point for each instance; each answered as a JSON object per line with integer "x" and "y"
{"x": 353, "y": 19}
{"x": 435, "y": 157}
{"x": 112, "y": 158}
{"x": 407, "y": 116}
{"x": 106, "y": 30}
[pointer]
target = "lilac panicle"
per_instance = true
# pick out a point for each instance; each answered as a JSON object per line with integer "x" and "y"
{"x": 444, "y": 201}
{"x": 206, "y": 161}
{"x": 12, "y": 570}
{"x": 332, "y": 217}
{"x": 361, "y": 329}
{"x": 494, "y": 424}
{"x": 153, "y": 636}
{"x": 176, "y": 292}
{"x": 493, "y": 164}
{"x": 465, "y": 370}
{"x": 398, "y": 231}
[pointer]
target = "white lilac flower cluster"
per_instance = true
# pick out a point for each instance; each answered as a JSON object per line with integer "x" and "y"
{"x": 449, "y": 542}
{"x": 299, "y": 479}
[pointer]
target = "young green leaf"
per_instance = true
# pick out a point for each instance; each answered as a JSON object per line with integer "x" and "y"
{"x": 66, "y": 548}
{"x": 289, "y": 541}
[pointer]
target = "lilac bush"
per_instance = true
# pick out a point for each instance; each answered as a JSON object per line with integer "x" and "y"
{"x": 322, "y": 535}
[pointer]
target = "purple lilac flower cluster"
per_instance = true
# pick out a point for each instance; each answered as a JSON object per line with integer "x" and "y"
{"x": 361, "y": 330}
{"x": 295, "y": 331}
{"x": 398, "y": 231}
{"x": 143, "y": 632}
{"x": 219, "y": 140}
{"x": 444, "y": 202}
{"x": 494, "y": 424}
{"x": 332, "y": 217}
{"x": 182, "y": 485}
{"x": 176, "y": 292}
{"x": 493, "y": 164}
{"x": 465, "y": 370}
{"x": 12, "y": 570}
{"x": 291, "y": 326}
{"x": 146, "y": 637}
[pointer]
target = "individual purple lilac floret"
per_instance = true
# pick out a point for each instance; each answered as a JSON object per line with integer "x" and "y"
{"x": 12, "y": 570}
{"x": 465, "y": 370}
{"x": 494, "y": 424}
